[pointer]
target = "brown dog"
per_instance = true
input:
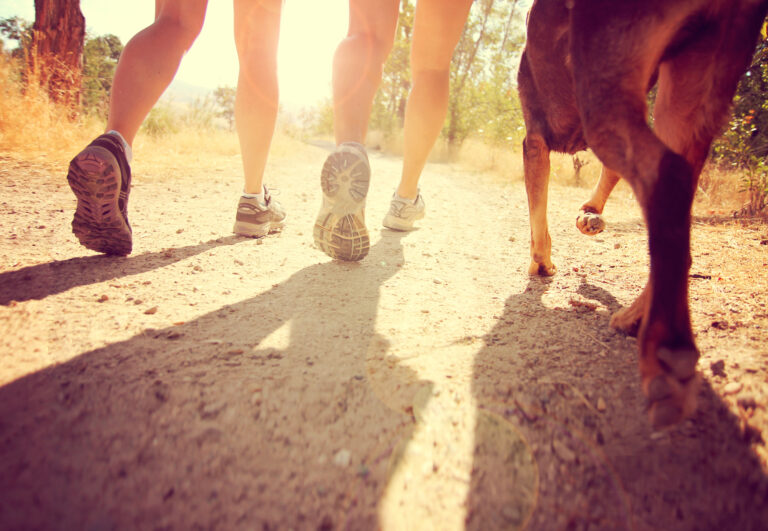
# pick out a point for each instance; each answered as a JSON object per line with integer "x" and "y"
{"x": 584, "y": 77}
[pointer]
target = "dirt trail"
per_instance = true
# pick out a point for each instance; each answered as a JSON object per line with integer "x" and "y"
{"x": 215, "y": 382}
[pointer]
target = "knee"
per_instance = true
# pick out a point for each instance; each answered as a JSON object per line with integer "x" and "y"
{"x": 374, "y": 47}
{"x": 180, "y": 31}
{"x": 258, "y": 60}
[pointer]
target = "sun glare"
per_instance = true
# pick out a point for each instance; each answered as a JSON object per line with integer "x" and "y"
{"x": 310, "y": 32}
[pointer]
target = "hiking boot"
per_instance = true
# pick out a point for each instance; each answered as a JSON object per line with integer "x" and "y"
{"x": 256, "y": 219}
{"x": 100, "y": 178}
{"x": 404, "y": 212}
{"x": 340, "y": 225}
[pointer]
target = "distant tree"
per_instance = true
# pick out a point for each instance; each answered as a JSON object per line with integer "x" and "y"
{"x": 388, "y": 111}
{"x": 19, "y": 30}
{"x": 224, "y": 98}
{"x": 55, "y": 58}
{"x": 483, "y": 96}
{"x": 744, "y": 144}
{"x": 100, "y": 56}
{"x": 201, "y": 113}
{"x": 746, "y": 136}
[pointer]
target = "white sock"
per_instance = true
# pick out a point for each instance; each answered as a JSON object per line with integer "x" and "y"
{"x": 406, "y": 199}
{"x": 126, "y": 146}
{"x": 260, "y": 196}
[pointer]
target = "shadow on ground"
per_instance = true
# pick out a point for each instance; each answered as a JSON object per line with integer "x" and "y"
{"x": 186, "y": 427}
{"x": 570, "y": 385}
{"x": 39, "y": 281}
{"x": 193, "y": 426}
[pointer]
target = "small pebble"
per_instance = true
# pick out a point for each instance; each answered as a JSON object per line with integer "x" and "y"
{"x": 601, "y": 405}
{"x": 151, "y": 311}
{"x": 212, "y": 409}
{"x": 747, "y": 402}
{"x": 563, "y": 452}
{"x": 103, "y": 298}
{"x": 342, "y": 458}
{"x": 511, "y": 513}
{"x": 718, "y": 368}
{"x": 732, "y": 388}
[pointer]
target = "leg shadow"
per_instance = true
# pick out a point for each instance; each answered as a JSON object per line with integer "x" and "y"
{"x": 261, "y": 414}
{"x": 39, "y": 281}
{"x": 568, "y": 387}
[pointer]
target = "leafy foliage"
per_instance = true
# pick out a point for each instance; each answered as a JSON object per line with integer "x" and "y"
{"x": 744, "y": 144}
{"x": 19, "y": 30}
{"x": 483, "y": 97}
{"x": 16, "y": 29}
{"x": 388, "y": 111}
{"x": 162, "y": 120}
{"x": 224, "y": 100}
{"x": 100, "y": 56}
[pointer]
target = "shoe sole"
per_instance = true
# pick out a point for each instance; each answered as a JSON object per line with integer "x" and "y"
{"x": 98, "y": 222}
{"x": 250, "y": 230}
{"x": 393, "y": 223}
{"x": 340, "y": 230}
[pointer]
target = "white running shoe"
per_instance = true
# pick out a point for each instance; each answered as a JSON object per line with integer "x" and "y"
{"x": 256, "y": 219}
{"x": 404, "y": 212}
{"x": 340, "y": 230}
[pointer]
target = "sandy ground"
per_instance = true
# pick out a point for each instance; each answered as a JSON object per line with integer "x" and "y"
{"x": 209, "y": 381}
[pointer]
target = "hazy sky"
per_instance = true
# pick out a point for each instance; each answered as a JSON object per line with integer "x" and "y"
{"x": 304, "y": 64}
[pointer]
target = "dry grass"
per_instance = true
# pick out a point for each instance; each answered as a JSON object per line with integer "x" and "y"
{"x": 719, "y": 193}
{"x": 33, "y": 128}
{"x": 192, "y": 149}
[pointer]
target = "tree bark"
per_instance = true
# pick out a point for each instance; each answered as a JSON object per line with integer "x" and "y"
{"x": 55, "y": 59}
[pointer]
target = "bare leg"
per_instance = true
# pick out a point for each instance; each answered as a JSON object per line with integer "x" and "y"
{"x": 149, "y": 62}
{"x": 257, "y": 29}
{"x": 590, "y": 220}
{"x": 100, "y": 175}
{"x": 357, "y": 65}
{"x": 437, "y": 29}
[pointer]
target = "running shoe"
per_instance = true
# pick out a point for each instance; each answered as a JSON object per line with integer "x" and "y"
{"x": 340, "y": 225}
{"x": 256, "y": 219}
{"x": 100, "y": 178}
{"x": 404, "y": 212}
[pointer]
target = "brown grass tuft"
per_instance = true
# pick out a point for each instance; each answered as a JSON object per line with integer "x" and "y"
{"x": 31, "y": 127}
{"x": 34, "y": 128}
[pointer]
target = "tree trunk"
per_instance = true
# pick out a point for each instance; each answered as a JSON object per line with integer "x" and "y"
{"x": 55, "y": 59}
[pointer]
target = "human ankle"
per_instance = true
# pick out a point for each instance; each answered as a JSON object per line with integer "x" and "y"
{"x": 126, "y": 146}
{"x": 407, "y": 196}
